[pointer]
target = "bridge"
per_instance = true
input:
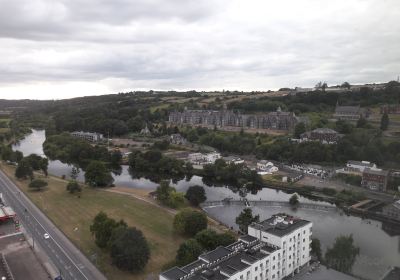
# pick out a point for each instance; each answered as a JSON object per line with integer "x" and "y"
{"x": 267, "y": 203}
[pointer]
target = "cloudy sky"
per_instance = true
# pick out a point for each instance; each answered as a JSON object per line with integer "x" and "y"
{"x": 52, "y": 49}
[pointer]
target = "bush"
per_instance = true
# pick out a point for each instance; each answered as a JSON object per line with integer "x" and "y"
{"x": 329, "y": 191}
{"x": 188, "y": 252}
{"x": 73, "y": 186}
{"x": 189, "y": 222}
{"x": 38, "y": 184}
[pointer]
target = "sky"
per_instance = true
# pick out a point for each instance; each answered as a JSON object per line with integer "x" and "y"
{"x": 55, "y": 49}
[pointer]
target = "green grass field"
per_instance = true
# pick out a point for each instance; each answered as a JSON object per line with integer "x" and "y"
{"x": 69, "y": 212}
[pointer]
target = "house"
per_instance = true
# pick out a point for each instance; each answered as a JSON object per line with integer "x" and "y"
{"x": 266, "y": 167}
{"x": 392, "y": 210}
{"x": 390, "y": 109}
{"x": 89, "y": 136}
{"x": 374, "y": 179}
{"x": 177, "y": 139}
{"x": 323, "y": 135}
{"x": 274, "y": 249}
{"x": 347, "y": 113}
{"x": 354, "y": 166}
{"x": 234, "y": 160}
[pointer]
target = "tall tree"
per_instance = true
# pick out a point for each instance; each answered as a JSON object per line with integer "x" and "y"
{"x": 24, "y": 169}
{"x": 299, "y": 129}
{"x": 189, "y": 222}
{"x": 384, "y": 121}
{"x": 196, "y": 195}
{"x": 245, "y": 219}
{"x": 97, "y": 175}
{"x": 188, "y": 252}
{"x": 37, "y": 184}
{"x": 316, "y": 248}
{"x": 129, "y": 249}
{"x": 343, "y": 254}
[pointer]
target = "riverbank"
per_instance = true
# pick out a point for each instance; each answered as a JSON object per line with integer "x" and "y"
{"x": 73, "y": 216}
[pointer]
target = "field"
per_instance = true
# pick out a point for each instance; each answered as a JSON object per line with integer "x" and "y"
{"x": 69, "y": 212}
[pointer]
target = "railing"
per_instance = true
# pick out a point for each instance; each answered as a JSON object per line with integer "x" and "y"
{"x": 268, "y": 203}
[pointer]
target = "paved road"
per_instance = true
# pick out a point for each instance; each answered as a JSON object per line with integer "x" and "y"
{"x": 69, "y": 260}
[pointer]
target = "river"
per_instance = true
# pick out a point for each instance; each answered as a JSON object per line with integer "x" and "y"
{"x": 378, "y": 249}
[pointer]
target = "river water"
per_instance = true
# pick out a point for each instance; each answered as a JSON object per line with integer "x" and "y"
{"x": 378, "y": 248}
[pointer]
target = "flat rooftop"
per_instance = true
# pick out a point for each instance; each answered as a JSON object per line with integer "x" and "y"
{"x": 280, "y": 224}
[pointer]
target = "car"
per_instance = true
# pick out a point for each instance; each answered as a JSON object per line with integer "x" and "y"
{"x": 46, "y": 236}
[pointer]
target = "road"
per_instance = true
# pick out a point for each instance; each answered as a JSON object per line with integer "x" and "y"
{"x": 70, "y": 262}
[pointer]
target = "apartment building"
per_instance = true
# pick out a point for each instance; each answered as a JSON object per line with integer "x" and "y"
{"x": 89, "y": 136}
{"x": 274, "y": 249}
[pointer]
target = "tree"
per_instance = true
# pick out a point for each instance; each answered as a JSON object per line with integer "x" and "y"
{"x": 196, "y": 195}
{"x": 73, "y": 186}
{"x": 74, "y": 172}
{"x": 24, "y": 170}
{"x": 189, "y": 222}
{"x": 345, "y": 85}
{"x": 294, "y": 200}
{"x": 362, "y": 122}
{"x": 245, "y": 219}
{"x": 129, "y": 249}
{"x": 188, "y": 252}
{"x": 316, "y": 248}
{"x": 37, "y": 184}
{"x": 97, "y": 175}
{"x": 43, "y": 165}
{"x": 299, "y": 129}
{"x": 209, "y": 239}
{"x": 343, "y": 254}
{"x": 102, "y": 228}
{"x": 384, "y": 121}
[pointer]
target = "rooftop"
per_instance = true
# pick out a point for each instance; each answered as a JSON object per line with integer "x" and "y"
{"x": 280, "y": 224}
{"x": 347, "y": 109}
{"x": 392, "y": 274}
{"x": 361, "y": 163}
{"x": 379, "y": 172}
{"x": 324, "y": 130}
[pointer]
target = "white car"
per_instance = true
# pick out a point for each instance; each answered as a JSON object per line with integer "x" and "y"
{"x": 46, "y": 236}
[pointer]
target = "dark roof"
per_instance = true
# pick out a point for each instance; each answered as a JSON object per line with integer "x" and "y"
{"x": 215, "y": 254}
{"x": 361, "y": 163}
{"x": 347, "y": 109}
{"x": 393, "y": 274}
{"x": 174, "y": 273}
{"x": 280, "y": 228}
{"x": 268, "y": 248}
{"x": 188, "y": 268}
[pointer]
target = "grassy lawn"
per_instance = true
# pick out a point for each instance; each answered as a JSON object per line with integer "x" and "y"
{"x": 69, "y": 212}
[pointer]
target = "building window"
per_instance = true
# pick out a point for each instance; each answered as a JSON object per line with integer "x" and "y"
{"x": 256, "y": 268}
{"x": 273, "y": 258}
{"x": 273, "y": 267}
{"x": 304, "y": 240}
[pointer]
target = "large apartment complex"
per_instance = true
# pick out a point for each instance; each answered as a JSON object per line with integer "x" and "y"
{"x": 273, "y": 249}
{"x": 89, "y": 136}
{"x": 278, "y": 120}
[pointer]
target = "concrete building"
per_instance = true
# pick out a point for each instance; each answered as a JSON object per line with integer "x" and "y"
{"x": 177, "y": 139}
{"x": 200, "y": 159}
{"x": 89, "y": 136}
{"x": 278, "y": 120}
{"x": 347, "y": 113}
{"x": 274, "y": 249}
{"x": 234, "y": 160}
{"x": 354, "y": 166}
{"x": 390, "y": 109}
{"x": 392, "y": 210}
{"x": 323, "y": 135}
{"x": 374, "y": 179}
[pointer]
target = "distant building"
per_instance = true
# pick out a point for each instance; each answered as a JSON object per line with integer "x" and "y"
{"x": 274, "y": 249}
{"x": 390, "y": 109}
{"x": 347, "y": 113}
{"x": 278, "y": 120}
{"x": 266, "y": 167}
{"x": 374, "y": 179}
{"x": 392, "y": 210}
{"x": 89, "y": 136}
{"x": 200, "y": 159}
{"x": 234, "y": 160}
{"x": 177, "y": 139}
{"x": 323, "y": 135}
{"x": 359, "y": 166}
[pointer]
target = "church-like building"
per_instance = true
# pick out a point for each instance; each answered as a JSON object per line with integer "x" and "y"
{"x": 278, "y": 120}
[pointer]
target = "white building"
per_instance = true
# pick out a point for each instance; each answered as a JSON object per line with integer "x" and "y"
{"x": 200, "y": 159}
{"x": 266, "y": 167}
{"x": 89, "y": 136}
{"x": 274, "y": 249}
{"x": 359, "y": 166}
{"x": 234, "y": 160}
